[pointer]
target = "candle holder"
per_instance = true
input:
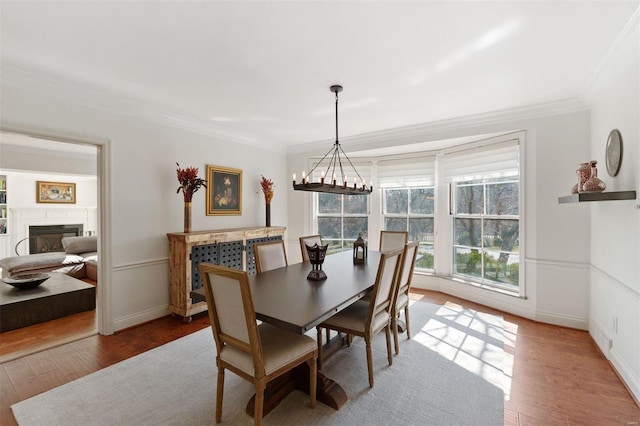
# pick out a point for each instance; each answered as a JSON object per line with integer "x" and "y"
{"x": 359, "y": 251}
{"x": 317, "y": 254}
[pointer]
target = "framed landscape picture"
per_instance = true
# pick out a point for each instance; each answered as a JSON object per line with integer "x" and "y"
{"x": 224, "y": 191}
{"x": 55, "y": 192}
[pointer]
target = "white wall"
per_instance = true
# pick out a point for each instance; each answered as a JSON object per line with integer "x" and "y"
{"x": 615, "y": 226}
{"x": 45, "y": 161}
{"x": 21, "y": 191}
{"x": 21, "y": 196}
{"x": 142, "y": 184}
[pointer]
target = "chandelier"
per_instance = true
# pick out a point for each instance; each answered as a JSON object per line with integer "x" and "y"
{"x": 329, "y": 181}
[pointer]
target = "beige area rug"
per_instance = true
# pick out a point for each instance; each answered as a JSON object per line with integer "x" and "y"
{"x": 449, "y": 373}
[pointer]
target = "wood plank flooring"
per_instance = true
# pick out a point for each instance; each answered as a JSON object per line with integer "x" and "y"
{"x": 557, "y": 376}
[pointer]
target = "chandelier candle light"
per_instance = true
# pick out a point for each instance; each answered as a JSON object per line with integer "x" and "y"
{"x": 189, "y": 183}
{"x": 359, "y": 186}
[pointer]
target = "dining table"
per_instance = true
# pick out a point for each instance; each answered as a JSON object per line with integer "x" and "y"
{"x": 286, "y": 298}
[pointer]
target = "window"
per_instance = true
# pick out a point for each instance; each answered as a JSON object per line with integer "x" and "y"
{"x": 485, "y": 213}
{"x": 408, "y": 200}
{"x": 412, "y": 210}
{"x": 340, "y": 218}
{"x": 486, "y": 231}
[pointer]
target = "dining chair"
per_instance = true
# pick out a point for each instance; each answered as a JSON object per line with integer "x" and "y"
{"x": 391, "y": 240}
{"x": 368, "y": 319}
{"x": 309, "y": 240}
{"x": 270, "y": 255}
{"x": 257, "y": 353}
{"x": 402, "y": 294}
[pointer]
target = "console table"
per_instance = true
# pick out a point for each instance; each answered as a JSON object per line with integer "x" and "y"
{"x": 228, "y": 247}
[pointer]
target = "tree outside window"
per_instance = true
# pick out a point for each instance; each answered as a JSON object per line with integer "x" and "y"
{"x": 340, "y": 219}
{"x": 486, "y": 231}
{"x": 412, "y": 210}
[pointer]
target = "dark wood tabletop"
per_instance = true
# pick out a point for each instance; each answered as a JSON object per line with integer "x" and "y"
{"x": 285, "y": 298}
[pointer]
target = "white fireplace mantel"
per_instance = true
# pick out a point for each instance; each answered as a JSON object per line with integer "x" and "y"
{"x": 22, "y": 218}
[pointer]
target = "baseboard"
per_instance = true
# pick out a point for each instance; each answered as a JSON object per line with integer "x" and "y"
{"x": 626, "y": 376}
{"x": 563, "y": 320}
{"x": 140, "y": 317}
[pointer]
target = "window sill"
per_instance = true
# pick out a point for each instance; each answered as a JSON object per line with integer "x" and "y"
{"x": 473, "y": 284}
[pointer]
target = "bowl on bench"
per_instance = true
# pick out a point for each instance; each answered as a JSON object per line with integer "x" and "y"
{"x": 26, "y": 281}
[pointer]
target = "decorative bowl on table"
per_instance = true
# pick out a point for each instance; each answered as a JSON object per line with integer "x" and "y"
{"x": 25, "y": 281}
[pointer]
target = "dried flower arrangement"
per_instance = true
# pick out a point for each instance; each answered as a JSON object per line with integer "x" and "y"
{"x": 189, "y": 182}
{"x": 267, "y": 189}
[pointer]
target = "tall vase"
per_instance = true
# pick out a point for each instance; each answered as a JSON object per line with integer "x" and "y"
{"x": 268, "y": 214}
{"x": 594, "y": 183}
{"x": 583, "y": 172}
{"x": 187, "y": 217}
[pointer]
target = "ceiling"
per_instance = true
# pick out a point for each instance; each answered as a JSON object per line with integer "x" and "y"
{"x": 261, "y": 71}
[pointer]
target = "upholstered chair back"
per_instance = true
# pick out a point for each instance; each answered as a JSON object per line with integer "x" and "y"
{"x": 231, "y": 312}
{"x": 406, "y": 271}
{"x": 392, "y": 240}
{"x": 270, "y": 255}
{"x": 385, "y": 286}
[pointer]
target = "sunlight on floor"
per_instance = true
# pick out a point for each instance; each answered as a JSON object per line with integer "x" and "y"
{"x": 473, "y": 340}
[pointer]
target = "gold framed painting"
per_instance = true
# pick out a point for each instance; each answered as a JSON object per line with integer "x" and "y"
{"x": 224, "y": 191}
{"x": 55, "y": 192}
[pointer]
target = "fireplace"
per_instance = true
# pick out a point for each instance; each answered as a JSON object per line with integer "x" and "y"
{"x": 48, "y": 238}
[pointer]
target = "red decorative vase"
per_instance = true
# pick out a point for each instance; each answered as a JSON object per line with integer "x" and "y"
{"x": 584, "y": 173}
{"x": 594, "y": 183}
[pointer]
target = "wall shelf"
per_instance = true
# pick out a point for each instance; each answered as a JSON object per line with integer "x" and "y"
{"x": 597, "y": 196}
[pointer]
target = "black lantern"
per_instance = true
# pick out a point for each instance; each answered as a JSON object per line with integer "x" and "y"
{"x": 316, "y": 257}
{"x": 359, "y": 251}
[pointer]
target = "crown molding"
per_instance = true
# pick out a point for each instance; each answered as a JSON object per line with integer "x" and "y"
{"x": 622, "y": 53}
{"x": 94, "y": 97}
{"x": 435, "y": 130}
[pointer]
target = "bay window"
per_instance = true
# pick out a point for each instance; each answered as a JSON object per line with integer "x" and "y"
{"x": 462, "y": 204}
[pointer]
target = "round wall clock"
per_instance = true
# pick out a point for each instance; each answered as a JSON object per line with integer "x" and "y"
{"x": 614, "y": 152}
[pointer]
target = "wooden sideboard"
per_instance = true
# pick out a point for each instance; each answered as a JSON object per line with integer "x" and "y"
{"x": 228, "y": 247}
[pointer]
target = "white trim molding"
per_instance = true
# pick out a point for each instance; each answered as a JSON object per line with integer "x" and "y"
{"x": 624, "y": 49}
{"x": 95, "y": 97}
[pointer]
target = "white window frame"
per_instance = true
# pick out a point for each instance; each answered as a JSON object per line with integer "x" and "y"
{"x": 482, "y": 217}
{"x": 407, "y": 216}
{"x": 342, "y": 215}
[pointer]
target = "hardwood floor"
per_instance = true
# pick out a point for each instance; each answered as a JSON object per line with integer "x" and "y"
{"x": 556, "y": 376}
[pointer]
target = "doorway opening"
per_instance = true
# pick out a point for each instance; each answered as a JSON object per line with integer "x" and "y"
{"x": 27, "y": 159}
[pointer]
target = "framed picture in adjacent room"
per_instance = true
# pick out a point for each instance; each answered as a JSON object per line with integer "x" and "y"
{"x": 55, "y": 192}
{"x": 224, "y": 191}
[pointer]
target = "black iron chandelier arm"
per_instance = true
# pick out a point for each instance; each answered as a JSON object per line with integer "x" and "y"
{"x": 352, "y": 166}
{"x": 334, "y": 162}
{"x": 321, "y": 160}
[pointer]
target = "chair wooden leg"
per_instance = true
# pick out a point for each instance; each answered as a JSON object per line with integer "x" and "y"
{"x": 406, "y": 320}
{"x": 219, "y": 393}
{"x": 349, "y": 340}
{"x": 394, "y": 327}
{"x": 387, "y": 333}
{"x": 313, "y": 380}
{"x": 319, "y": 339}
{"x": 328, "y": 332}
{"x": 259, "y": 402}
{"x": 369, "y": 359}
